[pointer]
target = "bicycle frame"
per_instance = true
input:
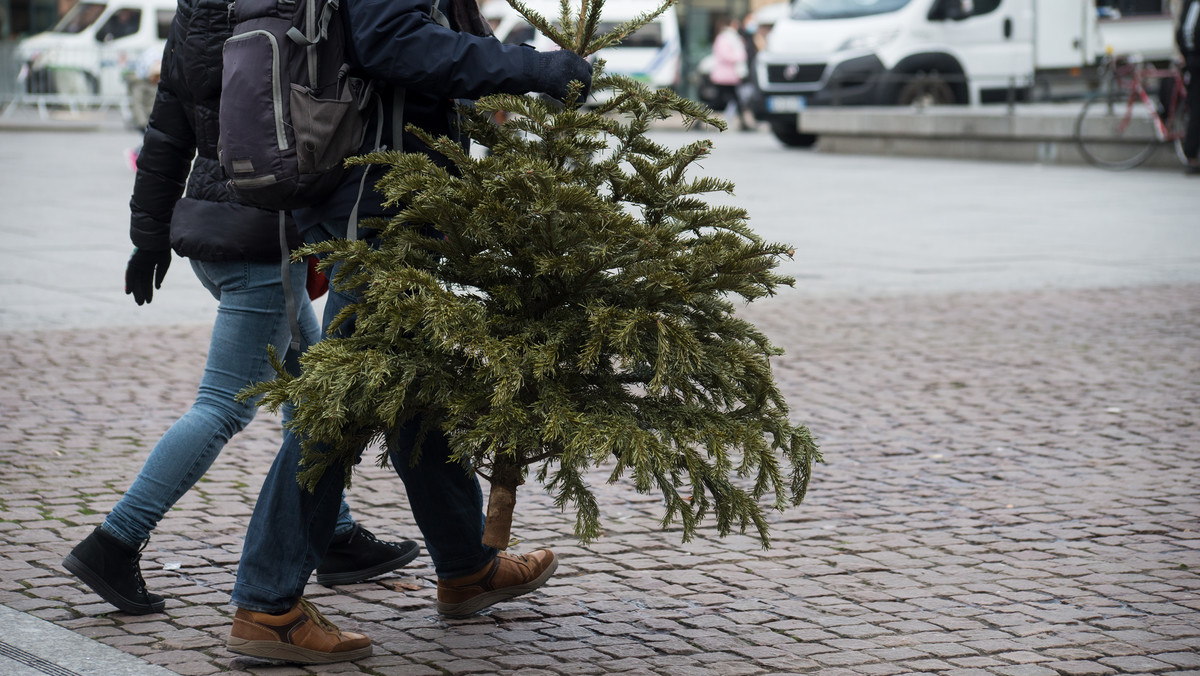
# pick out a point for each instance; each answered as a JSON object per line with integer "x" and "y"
{"x": 1137, "y": 76}
{"x": 1125, "y": 137}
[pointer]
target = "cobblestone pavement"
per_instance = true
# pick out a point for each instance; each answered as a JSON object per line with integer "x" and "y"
{"x": 1011, "y": 488}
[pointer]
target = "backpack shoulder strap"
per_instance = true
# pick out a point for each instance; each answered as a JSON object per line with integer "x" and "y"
{"x": 398, "y": 92}
{"x": 438, "y": 16}
{"x": 397, "y": 129}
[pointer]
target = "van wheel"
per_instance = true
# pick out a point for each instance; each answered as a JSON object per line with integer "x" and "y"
{"x": 789, "y": 136}
{"x": 40, "y": 81}
{"x": 925, "y": 88}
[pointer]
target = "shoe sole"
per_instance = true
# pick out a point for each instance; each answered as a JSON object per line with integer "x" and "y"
{"x": 486, "y": 599}
{"x": 97, "y": 584}
{"x": 286, "y": 652}
{"x": 356, "y": 576}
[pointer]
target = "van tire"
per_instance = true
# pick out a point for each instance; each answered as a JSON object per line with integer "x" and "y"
{"x": 925, "y": 87}
{"x": 790, "y": 137}
{"x": 39, "y": 81}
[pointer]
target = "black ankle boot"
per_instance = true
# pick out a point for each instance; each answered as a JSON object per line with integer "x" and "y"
{"x": 110, "y": 568}
{"x": 360, "y": 556}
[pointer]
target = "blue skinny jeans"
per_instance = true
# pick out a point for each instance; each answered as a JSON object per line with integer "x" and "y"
{"x": 250, "y": 316}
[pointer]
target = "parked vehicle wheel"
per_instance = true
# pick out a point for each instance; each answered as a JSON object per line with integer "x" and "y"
{"x": 789, "y": 136}
{"x": 39, "y": 81}
{"x": 69, "y": 81}
{"x": 925, "y": 88}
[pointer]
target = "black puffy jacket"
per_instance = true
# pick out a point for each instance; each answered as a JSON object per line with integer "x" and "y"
{"x": 205, "y": 223}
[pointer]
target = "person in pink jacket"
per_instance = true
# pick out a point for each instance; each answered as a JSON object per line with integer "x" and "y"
{"x": 729, "y": 69}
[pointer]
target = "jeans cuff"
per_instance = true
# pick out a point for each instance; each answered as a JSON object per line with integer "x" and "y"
{"x": 249, "y": 602}
{"x": 461, "y": 567}
{"x": 108, "y": 528}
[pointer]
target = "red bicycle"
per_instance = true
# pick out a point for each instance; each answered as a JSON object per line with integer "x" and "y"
{"x": 1122, "y": 125}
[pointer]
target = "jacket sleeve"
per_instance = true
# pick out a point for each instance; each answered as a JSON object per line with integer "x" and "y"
{"x": 398, "y": 42}
{"x": 163, "y": 163}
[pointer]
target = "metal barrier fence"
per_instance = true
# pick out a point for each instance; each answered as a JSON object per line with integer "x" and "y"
{"x": 79, "y": 80}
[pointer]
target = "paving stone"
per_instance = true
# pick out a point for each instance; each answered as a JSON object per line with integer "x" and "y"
{"x": 1026, "y": 670}
{"x": 1136, "y": 663}
{"x": 843, "y": 658}
{"x": 1080, "y": 668}
{"x": 1181, "y": 659}
{"x": 946, "y": 649}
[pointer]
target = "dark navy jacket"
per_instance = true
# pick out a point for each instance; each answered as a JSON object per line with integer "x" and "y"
{"x": 397, "y": 43}
{"x": 204, "y": 223}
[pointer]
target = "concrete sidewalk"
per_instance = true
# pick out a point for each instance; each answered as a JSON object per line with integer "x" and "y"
{"x": 33, "y": 646}
{"x": 1042, "y": 133}
{"x": 1010, "y": 489}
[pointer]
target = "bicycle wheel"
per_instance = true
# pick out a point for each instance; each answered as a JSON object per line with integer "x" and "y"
{"x": 1115, "y": 131}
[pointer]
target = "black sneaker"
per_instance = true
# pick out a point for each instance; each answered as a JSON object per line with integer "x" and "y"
{"x": 361, "y": 556}
{"x": 111, "y": 569}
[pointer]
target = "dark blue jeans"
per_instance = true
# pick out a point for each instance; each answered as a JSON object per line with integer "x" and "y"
{"x": 291, "y": 527}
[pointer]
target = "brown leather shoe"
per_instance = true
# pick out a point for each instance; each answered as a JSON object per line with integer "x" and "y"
{"x": 507, "y": 576}
{"x": 301, "y": 635}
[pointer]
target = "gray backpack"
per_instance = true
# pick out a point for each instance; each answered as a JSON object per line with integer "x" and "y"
{"x": 290, "y": 114}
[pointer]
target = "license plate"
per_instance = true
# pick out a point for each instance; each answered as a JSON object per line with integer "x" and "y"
{"x": 785, "y": 104}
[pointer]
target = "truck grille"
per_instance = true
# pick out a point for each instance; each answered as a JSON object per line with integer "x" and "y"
{"x": 793, "y": 72}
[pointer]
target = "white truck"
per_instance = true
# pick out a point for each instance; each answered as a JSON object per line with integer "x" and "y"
{"x": 651, "y": 54}
{"x": 92, "y": 48}
{"x": 904, "y": 52}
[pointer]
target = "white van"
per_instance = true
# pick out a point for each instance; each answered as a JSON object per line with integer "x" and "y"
{"x": 94, "y": 46}
{"x": 651, "y": 54}
{"x": 899, "y": 52}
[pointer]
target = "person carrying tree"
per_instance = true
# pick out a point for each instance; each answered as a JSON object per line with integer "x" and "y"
{"x": 433, "y": 57}
{"x": 235, "y": 252}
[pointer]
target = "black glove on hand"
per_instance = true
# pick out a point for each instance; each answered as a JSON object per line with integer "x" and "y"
{"x": 145, "y": 273}
{"x": 558, "y": 68}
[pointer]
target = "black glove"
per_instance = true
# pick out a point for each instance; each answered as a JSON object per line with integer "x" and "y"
{"x": 557, "y": 69}
{"x": 146, "y": 267}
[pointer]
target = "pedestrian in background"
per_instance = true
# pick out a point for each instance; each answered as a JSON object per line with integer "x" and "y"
{"x": 730, "y": 69}
{"x": 235, "y": 251}
{"x": 1187, "y": 38}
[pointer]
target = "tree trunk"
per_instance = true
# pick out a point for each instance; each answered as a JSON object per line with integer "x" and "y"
{"x": 506, "y": 476}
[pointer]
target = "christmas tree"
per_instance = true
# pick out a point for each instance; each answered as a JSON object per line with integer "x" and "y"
{"x": 563, "y": 303}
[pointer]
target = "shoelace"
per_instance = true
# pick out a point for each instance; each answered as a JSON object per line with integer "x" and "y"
{"x": 136, "y": 563}
{"x": 315, "y": 615}
{"x": 519, "y": 558}
{"x": 364, "y": 533}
